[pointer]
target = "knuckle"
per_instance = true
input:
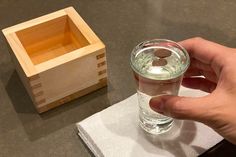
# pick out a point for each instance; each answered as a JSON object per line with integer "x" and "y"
{"x": 176, "y": 110}
{"x": 198, "y": 39}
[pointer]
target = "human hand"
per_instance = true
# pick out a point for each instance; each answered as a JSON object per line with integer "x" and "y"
{"x": 217, "y": 64}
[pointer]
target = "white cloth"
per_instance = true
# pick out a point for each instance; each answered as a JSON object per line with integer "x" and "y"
{"x": 114, "y": 132}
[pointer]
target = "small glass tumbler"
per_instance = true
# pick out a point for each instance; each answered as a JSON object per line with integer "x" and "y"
{"x": 158, "y": 67}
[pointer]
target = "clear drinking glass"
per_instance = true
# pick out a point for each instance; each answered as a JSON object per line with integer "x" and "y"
{"x": 158, "y": 67}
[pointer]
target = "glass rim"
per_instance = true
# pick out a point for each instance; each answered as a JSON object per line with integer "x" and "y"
{"x": 141, "y": 45}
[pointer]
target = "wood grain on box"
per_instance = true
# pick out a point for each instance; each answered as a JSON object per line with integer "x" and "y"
{"x": 58, "y": 58}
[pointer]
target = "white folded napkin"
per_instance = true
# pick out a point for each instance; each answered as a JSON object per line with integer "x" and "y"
{"x": 114, "y": 132}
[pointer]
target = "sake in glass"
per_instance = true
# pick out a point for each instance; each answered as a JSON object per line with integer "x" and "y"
{"x": 158, "y": 67}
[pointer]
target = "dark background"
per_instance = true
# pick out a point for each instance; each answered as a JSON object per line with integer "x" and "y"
{"x": 120, "y": 24}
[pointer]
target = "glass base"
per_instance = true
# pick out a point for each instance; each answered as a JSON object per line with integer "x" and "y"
{"x": 155, "y": 126}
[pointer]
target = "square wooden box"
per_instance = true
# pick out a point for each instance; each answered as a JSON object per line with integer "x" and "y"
{"x": 58, "y": 58}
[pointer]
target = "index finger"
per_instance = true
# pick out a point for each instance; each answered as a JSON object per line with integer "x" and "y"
{"x": 204, "y": 50}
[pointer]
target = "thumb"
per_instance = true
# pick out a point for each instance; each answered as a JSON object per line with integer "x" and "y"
{"x": 181, "y": 107}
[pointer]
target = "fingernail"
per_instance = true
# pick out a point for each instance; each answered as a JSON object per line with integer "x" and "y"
{"x": 156, "y": 104}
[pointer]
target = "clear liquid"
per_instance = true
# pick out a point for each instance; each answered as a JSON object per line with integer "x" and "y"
{"x": 150, "y": 120}
{"x": 156, "y": 81}
{"x": 144, "y": 58}
{"x": 143, "y": 100}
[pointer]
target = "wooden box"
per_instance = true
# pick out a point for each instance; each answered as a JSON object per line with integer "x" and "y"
{"x": 58, "y": 58}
